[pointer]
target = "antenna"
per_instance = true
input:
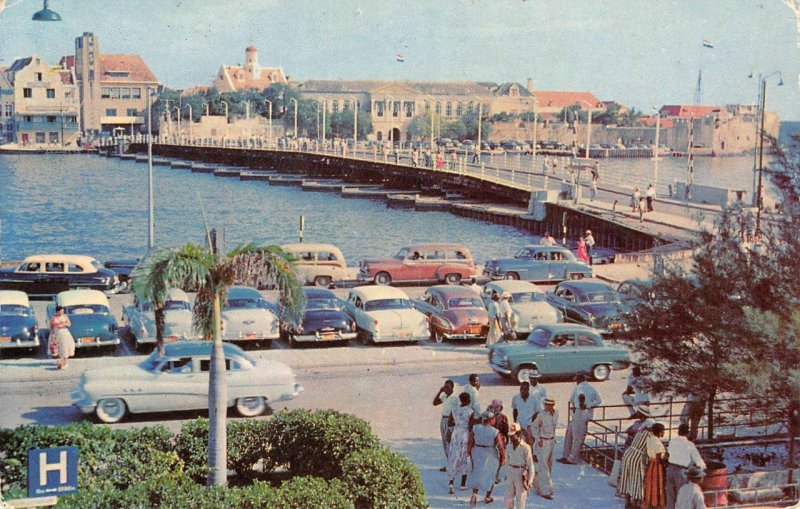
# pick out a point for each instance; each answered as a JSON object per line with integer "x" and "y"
{"x": 698, "y": 89}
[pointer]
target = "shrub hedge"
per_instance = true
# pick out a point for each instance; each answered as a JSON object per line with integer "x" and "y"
{"x": 379, "y": 478}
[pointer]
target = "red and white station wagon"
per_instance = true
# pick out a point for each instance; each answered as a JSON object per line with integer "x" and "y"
{"x": 438, "y": 263}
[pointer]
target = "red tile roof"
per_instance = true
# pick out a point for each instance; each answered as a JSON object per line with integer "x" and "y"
{"x": 247, "y": 80}
{"x": 651, "y": 122}
{"x": 133, "y": 65}
{"x": 557, "y": 99}
{"x": 684, "y": 111}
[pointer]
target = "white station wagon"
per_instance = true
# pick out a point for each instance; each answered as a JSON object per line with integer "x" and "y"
{"x": 318, "y": 264}
{"x": 141, "y": 320}
{"x": 385, "y": 313}
{"x": 528, "y": 304}
{"x": 178, "y": 380}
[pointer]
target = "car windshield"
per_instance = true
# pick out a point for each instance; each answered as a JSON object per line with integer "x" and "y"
{"x": 14, "y": 309}
{"x": 464, "y": 302}
{"x": 177, "y": 305}
{"x": 401, "y": 255}
{"x": 245, "y": 304}
{"x": 525, "y": 253}
{"x": 379, "y": 304}
{"x": 526, "y": 297}
{"x": 598, "y": 297}
{"x": 86, "y": 309}
{"x": 151, "y": 362}
{"x": 539, "y": 337}
{"x": 333, "y": 304}
{"x": 97, "y": 265}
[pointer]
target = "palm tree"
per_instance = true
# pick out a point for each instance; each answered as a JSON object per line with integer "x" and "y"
{"x": 194, "y": 267}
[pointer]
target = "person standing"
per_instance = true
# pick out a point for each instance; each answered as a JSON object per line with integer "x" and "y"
{"x": 60, "y": 334}
{"x": 446, "y": 397}
{"x": 487, "y": 451}
{"x": 507, "y": 317}
{"x": 578, "y": 428}
{"x": 582, "y": 254}
{"x": 476, "y": 154}
{"x": 545, "y": 167}
{"x": 473, "y": 389}
{"x": 524, "y": 406}
{"x": 650, "y": 194}
{"x": 588, "y": 238}
{"x": 458, "y": 456}
{"x": 495, "y": 326}
{"x": 632, "y": 469}
{"x": 636, "y": 197}
{"x": 519, "y": 461}
{"x": 593, "y": 189}
{"x": 692, "y": 413}
{"x": 654, "y": 474}
{"x": 690, "y": 496}
{"x": 582, "y": 386}
{"x": 683, "y": 456}
{"x": 538, "y": 391}
{"x": 544, "y": 436}
{"x": 500, "y": 419}
{"x": 473, "y": 284}
{"x": 635, "y": 394}
{"x": 596, "y": 171}
{"x": 547, "y": 240}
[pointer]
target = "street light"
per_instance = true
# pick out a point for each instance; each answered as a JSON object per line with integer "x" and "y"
{"x": 178, "y": 114}
{"x": 355, "y": 124}
{"x": 295, "y": 115}
{"x": 269, "y": 116}
{"x": 226, "y": 118}
{"x": 588, "y": 127}
{"x": 534, "y": 127}
{"x": 151, "y": 219}
{"x": 46, "y": 14}
{"x": 390, "y": 111}
{"x": 759, "y": 195}
{"x": 190, "y": 122}
{"x": 655, "y": 153}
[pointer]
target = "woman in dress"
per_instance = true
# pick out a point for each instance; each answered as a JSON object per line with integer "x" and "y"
{"x": 655, "y": 475}
{"x": 495, "y": 324}
{"x": 488, "y": 452}
{"x": 582, "y": 254}
{"x": 59, "y": 332}
{"x": 458, "y": 456}
{"x": 632, "y": 471}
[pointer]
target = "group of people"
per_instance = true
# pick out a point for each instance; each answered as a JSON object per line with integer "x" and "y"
{"x": 483, "y": 448}
{"x": 649, "y": 199}
{"x": 585, "y": 244}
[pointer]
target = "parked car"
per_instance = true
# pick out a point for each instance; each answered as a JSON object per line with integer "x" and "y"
{"x": 557, "y": 350}
{"x": 18, "y": 325}
{"x": 123, "y": 269}
{"x": 178, "y": 380}
{"x": 439, "y": 263}
{"x": 455, "y": 312}
{"x": 634, "y": 292}
{"x": 385, "y": 314}
{"x": 324, "y": 320}
{"x": 141, "y": 320}
{"x": 92, "y": 324}
{"x": 318, "y": 264}
{"x": 528, "y": 303}
{"x": 592, "y": 303}
{"x": 539, "y": 263}
{"x": 248, "y": 317}
{"x": 47, "y": 275}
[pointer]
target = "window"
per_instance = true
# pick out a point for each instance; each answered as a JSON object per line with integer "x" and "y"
{"x": 27, "y": 93}
{"x": 72, "y": 120}
{"x": 449, "y": 110}
{"x": 395, "y": 108}
{"x": 51, "y": 93}
{"x": 74, "y": 268}
{"x": 563, "y": 340}
{"x": 131, "y": 112}
{"x": 459, "y": 109}
{"x": 136, "y": 93}
{"x": 183, "y": 365}
{"x": 335, "y": 107}
{"x": 53, "y": 138}
{"x": 346, "y": 105}
{"x": 105, "y": 93}
{"x": 54, "y": 267}
{"x": 28, "y": 118}
{"x": 40, "y": 137}
{"x": 111, "y": 112}
{"x": 379, "y": 107}
{"x": 51, "y": 119}
{"x": 38, "y": 76}
{"x": 115, "y": 93}
{"x": 31, "y": 267}
{"x": 438, "y": 107}
{"x": 9, "y": 110}
{"x": 125, "y": 93}
{"x": 205, "y": 364}
{"x": 409, "y": 109}
{"x": 584, "y": 340}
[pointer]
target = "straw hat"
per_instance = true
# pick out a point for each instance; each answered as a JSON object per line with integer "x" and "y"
{"x": 549, "y": 401}
{"x": 514, "y": 428}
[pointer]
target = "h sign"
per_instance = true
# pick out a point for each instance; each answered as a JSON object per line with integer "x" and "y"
{"x": 53, "y": 471}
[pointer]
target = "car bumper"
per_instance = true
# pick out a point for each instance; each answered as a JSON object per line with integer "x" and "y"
{"x": 82, "y": 400}
{"x": 499, "y": 369}
{"x": 494, "y": 275}
{"x": 11, "y": 343}
{"x": 249, "y": 338}
{"x": 324, "y": 337}
{"x": 464, "y": 336}
{"x": 151, "y": 340}
{"x": 399, "y": 336}
{"x": 89, "y": 342}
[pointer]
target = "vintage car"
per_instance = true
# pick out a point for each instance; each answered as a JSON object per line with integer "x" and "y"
{"x": 92, "y": 324}
{"x": 324, "y": 320}
{"x": 438, "y": 263}
{"x": 557, "y": 350}
{"x": 318, "y": 264}
{"x": 123, "y": 269}
{"x": 385, "y": 314}
{"x": 455, "y": 312}
{"x": 18, "y": 325}
{"x": 178, "y": 380}
{"x": 248, "y": 317}
{"x": 634, "y": 292}
{"x": 141, "y": 320}
{"x": 46, "y": 275}
{"x": 539, "y": 263}
{"x": 528, "y": 303}
{"x": 593, "y": 303}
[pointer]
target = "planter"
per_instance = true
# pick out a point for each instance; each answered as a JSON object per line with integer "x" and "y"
{"x": 716, "y": 479}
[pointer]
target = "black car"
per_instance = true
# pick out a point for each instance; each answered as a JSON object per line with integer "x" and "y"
{"x": 591, "y": 302}
{"x": 48, "y": 275}
{"x": 123, "y": 268}
{"x": 324, "y": 320}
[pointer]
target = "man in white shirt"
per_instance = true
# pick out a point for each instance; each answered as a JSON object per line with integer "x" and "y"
{"x": 593, "y": 399}
{"x": 473, "y": 389}
{"x": 537, "y": 391}
{"x": 635, "y": 394}
{"x": 588, "y": 238}
{"x": 690, "y": 496}
{"x": 523, "y": 407}
{"x": 506, "y": 315}
{"x": 544, "y": 436}
{"x": 577, "y": 429}
{"x": 683, "y": 454}
{"x": 446, "y": 397}
{"x": 547, "y": 240}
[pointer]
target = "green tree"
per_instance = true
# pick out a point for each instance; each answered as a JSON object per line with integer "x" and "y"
{"x": 195, "y": 267}
{"x": 342, "y": 124}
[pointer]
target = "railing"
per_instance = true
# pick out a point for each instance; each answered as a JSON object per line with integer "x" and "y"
{"x": 781, "y": 495}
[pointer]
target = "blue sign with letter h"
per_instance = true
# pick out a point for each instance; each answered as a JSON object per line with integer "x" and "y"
{"x": 52, "y": 472}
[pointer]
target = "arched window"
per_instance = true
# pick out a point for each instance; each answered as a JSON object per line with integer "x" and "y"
{"x": 438, "y": 107}
{"x": 459, "y": 109}
{"x": 335, "y": 106}
{"x": 449, "y": 111}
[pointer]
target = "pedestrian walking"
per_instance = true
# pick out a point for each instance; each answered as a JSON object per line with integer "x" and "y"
{"x": 447, "y": 398}
{"x": 635, "y": 394}
{"x": 632, "y": 469}
{"x": 582, "y": 253}
{"x": 596, "y": 171}
{"x": 453, "y": 159}
{"x": 654, "y": 475}
{"x": 523, "y": 408}
{"x": 545, "y": 166}
{"x": 690, "y": 496}
{"x": 544, "y": 435}
{"x": 495, "y": 326}
{"x": 537, "y": 390}
{"x": 692, "y": 412}
{"x": 650, "y": 194}
{"x": 521, "y": 471}
{"x": 578, "y": 427}
{"x": 593, "y": 189}
{"x": 476, "y": 154}
{"x": 589, "y": 239}
{"x": 547, "y": 240}
{"x": 487, "y": 451}
{"x": 507, "y": 317}
{"x": 683, "y": 456}
{"x": 473, "y": 388}
{"x": 636, "y": 197}
{"x": 61, "y": 342}
{"x": 500, "y": 419}
{"x": 458, "y": 461}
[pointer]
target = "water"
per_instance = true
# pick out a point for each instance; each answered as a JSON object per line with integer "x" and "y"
{"x": 86, "y": 204}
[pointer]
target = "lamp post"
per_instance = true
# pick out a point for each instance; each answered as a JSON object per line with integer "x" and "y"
{"x": 534, "y": 130}
{"x": 324, "y": 109}
{"x": 355, "y": 125}
{"x": 480, "y": 115}
{"x": 760, "y": 191}
{"x": 295, "y": 115}
{"x": 390, "y": 111}
{"x": 178, "y": 114}
{"x": 190, "y": 122}
{"x": 151, "y": 218}
{"x": 269, "y": 117}
{"x": 655, "y": 152}
{"x": 226, "y": 118}
{"x": 588, "y": 127}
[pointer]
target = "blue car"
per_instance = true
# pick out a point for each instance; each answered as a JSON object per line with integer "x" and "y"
{"x": 18, "y": 325}
{"x": 593, "y": 303}
{"x": 324, "y": 320}
{"x": 539, "y": 263}
{"x": 93, "y": 325}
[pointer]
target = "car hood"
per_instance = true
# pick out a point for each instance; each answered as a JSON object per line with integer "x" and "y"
{"x": 177, "y": 321}
{"x": 15, "y": 323}
{"x": 512, "y": 348}
{"x": 609, "y": 310}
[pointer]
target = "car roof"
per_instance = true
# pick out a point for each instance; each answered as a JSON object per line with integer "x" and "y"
{"x": 194, "y": 348}
{"x": 435, "y": 245}
{"x": 14, "y": 297}
{"x": 303, "y": 247}
{"x": 379, "y": 292}
{"x": 177, "y": 294}
{"x": 81, "y": 296}
{"x": 564, "y": 328}
{"x": 586, "y": 285}
{"x": 450, "y": 291}
{"x": 84, "y": 260}
{"x": 319, "y": 293}
{"x": 511, "y": 285}
{"x": 243, "y": 292}
{"x": 547, "y": 248}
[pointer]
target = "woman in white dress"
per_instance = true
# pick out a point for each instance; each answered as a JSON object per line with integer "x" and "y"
{"x": 495, "y": 324}
{"x": 59, "y": 332}
{"x": 458, "y": 456}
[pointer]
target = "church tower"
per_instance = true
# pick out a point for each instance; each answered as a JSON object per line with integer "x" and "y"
{"x": 251, "y": 62}
{"x": 87, "y": 73}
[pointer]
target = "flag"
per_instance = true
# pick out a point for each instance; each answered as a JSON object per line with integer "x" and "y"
{"x": 707, "y": 43}
{"x": 400, "y": 58}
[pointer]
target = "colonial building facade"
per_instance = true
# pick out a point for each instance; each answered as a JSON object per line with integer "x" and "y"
{"x": 233, "y": 78}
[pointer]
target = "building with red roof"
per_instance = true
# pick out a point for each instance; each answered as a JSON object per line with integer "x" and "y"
{"x": 251, "y": 75}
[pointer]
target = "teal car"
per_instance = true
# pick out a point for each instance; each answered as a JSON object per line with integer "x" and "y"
{"x": 557, "y": 350}
{"x": 92, "y": 324}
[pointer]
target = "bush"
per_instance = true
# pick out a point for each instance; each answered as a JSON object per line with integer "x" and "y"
{"x": 312, "y": 492}
{"x": 379, "y": 478}
{"x": 316, "y": 442}
{"x": 191, "y": 445}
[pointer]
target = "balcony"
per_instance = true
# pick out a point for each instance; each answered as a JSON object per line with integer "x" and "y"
{"x": 122, "y": 120}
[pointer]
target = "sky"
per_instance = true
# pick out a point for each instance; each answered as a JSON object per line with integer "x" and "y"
{"x": 639, "y": 53}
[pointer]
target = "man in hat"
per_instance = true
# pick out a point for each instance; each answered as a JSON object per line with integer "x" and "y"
{"x": 500, "y": 419}
{"x": 537, "y": 390}
{"x": 447, "y": 398}
{"x": 644, "y": 420}
{"x": 487, "y": 451}
{"x": 519, "y": 462}
{"x": 578, "y": 427}
{"x": 544, "y": 436}
{"x": 589, "y": 240}
{"x": 524, "y": 406}
{"x": 683, "y": 455}
{"x": 690, "y": 496}
{"x": 506, "y": 315}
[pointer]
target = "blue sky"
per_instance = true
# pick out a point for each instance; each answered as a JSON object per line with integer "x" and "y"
{"x": 639, "y": 53}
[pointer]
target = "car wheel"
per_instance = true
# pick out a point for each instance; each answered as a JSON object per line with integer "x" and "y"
{"x": 512, "y": 276}
{"x": 383, "y": 278}
{"x": 323, "y": 281}
{"x": 438, "y": 337}
{"x": 524, "y": 373}
{"x": 601, "y": 372}
{"x": 251, "y": 406}
{"x": 111, "y": 410}
{"x": 577, "y": 275}
{"x": 452, "y": 279}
